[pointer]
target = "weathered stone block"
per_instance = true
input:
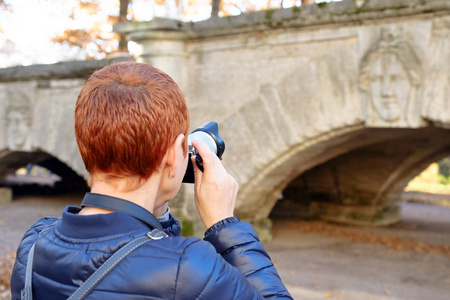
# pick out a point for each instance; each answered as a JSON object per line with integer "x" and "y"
{"x": 264, "y": 229}
{"x": 357, "y": 215}
{"x": 5, "y": 195}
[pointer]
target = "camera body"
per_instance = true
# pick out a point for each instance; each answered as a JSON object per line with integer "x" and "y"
{"x": 209, "y": 134}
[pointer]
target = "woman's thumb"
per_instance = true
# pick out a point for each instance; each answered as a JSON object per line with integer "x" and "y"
{"x": 198, "y": 174}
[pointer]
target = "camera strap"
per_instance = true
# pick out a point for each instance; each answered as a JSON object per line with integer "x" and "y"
{"x": 117, "y": 204}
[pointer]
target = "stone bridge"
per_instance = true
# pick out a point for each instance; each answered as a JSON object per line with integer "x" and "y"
{"x": 326, "y": 110}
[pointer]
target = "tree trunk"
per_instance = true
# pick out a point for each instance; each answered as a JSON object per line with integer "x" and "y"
{"x": 123, "y": 43}
{"x": 215, "y": 8}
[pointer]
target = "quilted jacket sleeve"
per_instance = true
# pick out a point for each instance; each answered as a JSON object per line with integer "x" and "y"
{"x": 239, "y": 245}
{"x": 233, "y": 265}
{"x": 171, "y": 227}
{"x": 29, "y": 238}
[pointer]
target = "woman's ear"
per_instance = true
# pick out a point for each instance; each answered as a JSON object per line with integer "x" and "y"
{"x": 175, "y": 155}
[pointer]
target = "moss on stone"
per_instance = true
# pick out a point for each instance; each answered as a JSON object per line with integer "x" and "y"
{"x": 269, "y": 14}
{"x": 321, "y": 4}
{"x": 297, "y": 9}
{"x": 395, "y": 7}
{"x": 187, "y": 228}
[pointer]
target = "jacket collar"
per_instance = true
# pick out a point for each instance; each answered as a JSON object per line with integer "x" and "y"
{"x": 77, "y": 226}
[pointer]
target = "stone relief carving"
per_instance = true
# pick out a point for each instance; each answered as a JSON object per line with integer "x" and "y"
{"x": 390, "y": 77}
{"x": 18, "y": 119}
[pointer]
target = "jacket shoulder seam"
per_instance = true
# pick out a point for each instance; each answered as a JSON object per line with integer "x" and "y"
{"x": 179, "y": 266}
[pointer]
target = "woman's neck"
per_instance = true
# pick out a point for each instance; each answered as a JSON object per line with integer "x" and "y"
{"x": 144, "y": 195}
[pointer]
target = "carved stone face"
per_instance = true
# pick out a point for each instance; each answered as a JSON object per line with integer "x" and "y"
{"x": 17, "y": 130}
{"x": 389, "y": 87}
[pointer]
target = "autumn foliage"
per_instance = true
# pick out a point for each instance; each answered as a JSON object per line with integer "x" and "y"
{"x": 95, "y": 39}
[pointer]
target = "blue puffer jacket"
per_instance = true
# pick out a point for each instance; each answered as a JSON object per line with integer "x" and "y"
{"x": 230, "y": 263}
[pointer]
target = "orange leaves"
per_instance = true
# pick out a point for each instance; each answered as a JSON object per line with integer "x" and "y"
{"x": 90, "y": 30}
{"x": 113, "y": 19}
{"x": 74, "y": 37}
{"x": 392, "y": 242}
{"x": 91, "y": 38}
{"x": 6, "y": 265}
{"x": 89, "y": 7}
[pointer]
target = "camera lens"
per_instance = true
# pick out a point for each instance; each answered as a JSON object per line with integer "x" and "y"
{"x": 205, "y": 137}
{"x": 209, "y": 134}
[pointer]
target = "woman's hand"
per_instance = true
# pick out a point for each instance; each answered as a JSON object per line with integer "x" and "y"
{"x": 215, "y": 190}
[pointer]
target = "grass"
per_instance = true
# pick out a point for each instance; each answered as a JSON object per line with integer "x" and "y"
{"x": 425, "y": 192}
{"x": 432, "y": 188}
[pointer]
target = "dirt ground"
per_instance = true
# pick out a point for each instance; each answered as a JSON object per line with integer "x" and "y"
{"x": 316, "y": 260}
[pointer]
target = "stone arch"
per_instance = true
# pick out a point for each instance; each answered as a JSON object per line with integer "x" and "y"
{"x": 38, "y": 120}
{"x": 286, "y": 129}
{"x": 71, "y": 181}
{"x": 401, "y": 154}
{"x": 268, "y": 182}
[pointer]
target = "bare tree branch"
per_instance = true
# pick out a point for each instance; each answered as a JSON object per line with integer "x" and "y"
{"x": 123, "y": 43}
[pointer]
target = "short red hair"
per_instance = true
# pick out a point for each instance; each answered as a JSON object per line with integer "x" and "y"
{"x": 126, "y": 116}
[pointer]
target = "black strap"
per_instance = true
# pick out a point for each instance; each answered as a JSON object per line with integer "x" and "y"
{"x": 107, "y": 267}
{"x": 117, "y": 204}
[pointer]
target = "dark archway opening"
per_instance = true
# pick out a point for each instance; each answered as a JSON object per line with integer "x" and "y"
{"x": 364, "y": 186}
{"x": 59, "y": 179}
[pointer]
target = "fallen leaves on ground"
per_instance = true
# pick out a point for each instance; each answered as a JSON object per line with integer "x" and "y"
{"x": 392, "y": 242}
{"x": 6, "y": 264}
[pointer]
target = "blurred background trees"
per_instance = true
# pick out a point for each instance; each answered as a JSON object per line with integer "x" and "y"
{"x": 49, "y": 31}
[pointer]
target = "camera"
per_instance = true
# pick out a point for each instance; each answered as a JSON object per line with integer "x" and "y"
{"x": 209, "y": 134}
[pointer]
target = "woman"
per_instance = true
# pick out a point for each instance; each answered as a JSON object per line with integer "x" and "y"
{"x": 131, "y": 123}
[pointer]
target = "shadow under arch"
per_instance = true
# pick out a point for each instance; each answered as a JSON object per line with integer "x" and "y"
{"x": 355, "y": 176}
{"x": 10, "y": 161}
